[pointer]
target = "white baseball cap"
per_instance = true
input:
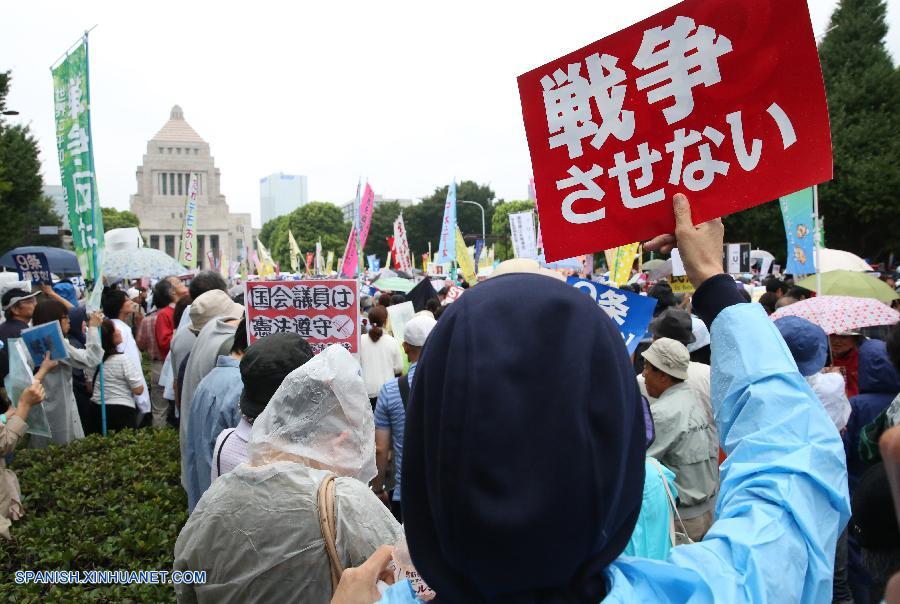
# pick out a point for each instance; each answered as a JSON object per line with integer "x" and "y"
{"x": 417, "y": 330}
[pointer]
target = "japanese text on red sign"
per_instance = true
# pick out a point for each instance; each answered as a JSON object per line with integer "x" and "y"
{"x": 657, "y": 113}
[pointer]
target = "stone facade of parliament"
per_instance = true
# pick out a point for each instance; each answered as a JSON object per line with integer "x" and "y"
{"x": 162, "y": 182}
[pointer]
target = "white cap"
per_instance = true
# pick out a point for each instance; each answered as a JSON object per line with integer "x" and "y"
{"x": 669, "y": 356}
{"x": 132, "y": 293}
{"x": 213, "y": 304}
{"x": 417, "y": 330}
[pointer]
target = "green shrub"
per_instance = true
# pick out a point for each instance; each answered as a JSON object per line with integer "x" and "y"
{"x": 112, "y": 503}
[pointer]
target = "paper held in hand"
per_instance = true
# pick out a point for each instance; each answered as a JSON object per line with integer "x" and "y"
{"x": 722, "y": 100}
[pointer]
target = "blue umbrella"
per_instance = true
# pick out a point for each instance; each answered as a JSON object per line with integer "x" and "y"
{"x": 61, "y": 261}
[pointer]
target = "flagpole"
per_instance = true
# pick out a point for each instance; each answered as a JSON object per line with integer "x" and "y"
{"x": 95, "y": 259}
{"x": 818, "y": 256}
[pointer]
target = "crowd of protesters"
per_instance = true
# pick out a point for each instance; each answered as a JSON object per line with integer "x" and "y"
{"x": 502, "y": 447}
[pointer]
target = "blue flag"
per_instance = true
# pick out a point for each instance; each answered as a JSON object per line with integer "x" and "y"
{"x": 374, "y": 263}
{"x": 797, "y": 211}
{"x": 630, "y": 312}
{"x": 479, "y": 247}
{"x": 447, "y": 244}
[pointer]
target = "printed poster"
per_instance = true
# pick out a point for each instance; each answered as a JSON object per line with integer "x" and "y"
{"x": 322, "y": 311}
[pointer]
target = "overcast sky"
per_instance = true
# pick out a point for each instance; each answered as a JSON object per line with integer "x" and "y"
{"x": 409, "y": 94}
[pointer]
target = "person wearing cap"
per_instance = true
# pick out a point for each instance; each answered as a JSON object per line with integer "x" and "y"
{"x": 257, "y": 531}
{"x": 678, "y": 325}
{"x": 18, "y": 308}
{"x": 214, "y": 408}
{"x": 390, "y": 414}
{"x": 263, "y": 367}
{"x": 685, "y": 442}
{"x": 214, "y": 319}
{"x": 808, "y": 344}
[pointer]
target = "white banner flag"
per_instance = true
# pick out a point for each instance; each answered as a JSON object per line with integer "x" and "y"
{"x": 401, "y": 245}
{"x": 521, "y": 228}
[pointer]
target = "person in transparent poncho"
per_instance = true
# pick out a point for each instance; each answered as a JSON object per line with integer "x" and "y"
{"x": 256, "y": 529}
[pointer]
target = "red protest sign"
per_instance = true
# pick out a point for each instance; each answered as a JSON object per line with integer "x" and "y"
{"x": 454, "y": 293}
{"x": 322, "y": 311}
{"x": 722, "y": 100}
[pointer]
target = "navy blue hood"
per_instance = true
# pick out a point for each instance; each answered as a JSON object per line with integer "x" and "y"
{"x": 523, "y": 464}
{"x": 876, "y": 372}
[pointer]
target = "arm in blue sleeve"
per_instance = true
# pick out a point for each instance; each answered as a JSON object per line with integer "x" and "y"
{"x": 783, "y": 498}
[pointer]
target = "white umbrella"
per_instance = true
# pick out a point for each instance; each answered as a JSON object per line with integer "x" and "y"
{"x": 139, "y": 262}
{"x": 836, "y": 260}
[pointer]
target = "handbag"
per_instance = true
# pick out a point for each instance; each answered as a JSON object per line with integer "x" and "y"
{"x": 675, "y": 537}
{"x": 327, "y": 524}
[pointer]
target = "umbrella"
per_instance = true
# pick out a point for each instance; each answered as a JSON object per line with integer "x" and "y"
{"x": 658, "y": 268}
{"x": 851, "y": 283}
{"x": 140, "y": 262}
{"x": 834, "y": 260}
{"x": 61, "y": 261}
{"x": 836, "y": 314}
{"x": 393, "y": 284}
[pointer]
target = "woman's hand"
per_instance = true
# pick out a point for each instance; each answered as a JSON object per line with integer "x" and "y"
{"x": 700, "y": 246}
{"x": 358, "y": 585}
{"x": 47, "y": 365}
{"x": 33, "y": 395}
{"x": 95, "y": 319}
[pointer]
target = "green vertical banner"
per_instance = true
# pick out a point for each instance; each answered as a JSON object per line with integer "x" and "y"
{"x": 72, "y": 107}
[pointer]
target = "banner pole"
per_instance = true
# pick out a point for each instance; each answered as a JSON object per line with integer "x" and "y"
{"x": 96, "y": 269}
{"x": 816, "y": 240}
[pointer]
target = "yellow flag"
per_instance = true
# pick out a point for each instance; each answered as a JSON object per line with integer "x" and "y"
{"x": 329, "y": 262}
{"x": 464, "y": 260}
{"x": 623, "y": 260}
{"x": 295, "y": 252}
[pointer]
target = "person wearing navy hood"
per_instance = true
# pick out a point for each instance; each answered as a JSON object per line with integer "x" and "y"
{"x": 522, "y": 482}
{"x": 879, "y": 383}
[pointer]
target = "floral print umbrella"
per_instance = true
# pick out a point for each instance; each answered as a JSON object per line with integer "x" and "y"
{"x": 837, "y": 314}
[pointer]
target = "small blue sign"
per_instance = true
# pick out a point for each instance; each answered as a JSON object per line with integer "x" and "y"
{"x": 33, "y": 267}
{"x": 630, "y": 312}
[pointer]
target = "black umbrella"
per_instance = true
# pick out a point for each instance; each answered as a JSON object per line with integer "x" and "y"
{"x": 421, "y": 294}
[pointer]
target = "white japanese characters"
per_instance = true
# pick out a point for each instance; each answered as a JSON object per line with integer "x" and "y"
{"x": 586, "y": 103}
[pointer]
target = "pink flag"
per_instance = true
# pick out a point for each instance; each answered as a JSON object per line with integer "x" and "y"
{"x": 351, "y": 255}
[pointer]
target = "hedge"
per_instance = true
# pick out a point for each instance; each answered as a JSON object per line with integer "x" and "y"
{"x": 113, "y": 503}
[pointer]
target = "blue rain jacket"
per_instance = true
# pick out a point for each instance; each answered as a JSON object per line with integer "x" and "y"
{"x": 783, "y": 498}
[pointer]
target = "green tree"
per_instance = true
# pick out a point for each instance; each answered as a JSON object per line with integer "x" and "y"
{"x": 119, "y": 219}
{"x": 23, "y": 205}
{"x": 309, "y": 223}
{"x": 500, "y": 226}
{"x": 423, "y": 221}
{"x": 864, "y": 106}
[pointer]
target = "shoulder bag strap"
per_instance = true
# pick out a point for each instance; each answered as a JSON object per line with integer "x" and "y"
{"x": 672, "y": 504}
{"x": 327, "y": 524}
{"x": 403, "y": 385}
{"x": 219, "y": 453}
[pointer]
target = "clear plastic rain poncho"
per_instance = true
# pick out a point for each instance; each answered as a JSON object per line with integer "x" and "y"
{"x": 320, "y": 413}
{"x": 256, "y": 529}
